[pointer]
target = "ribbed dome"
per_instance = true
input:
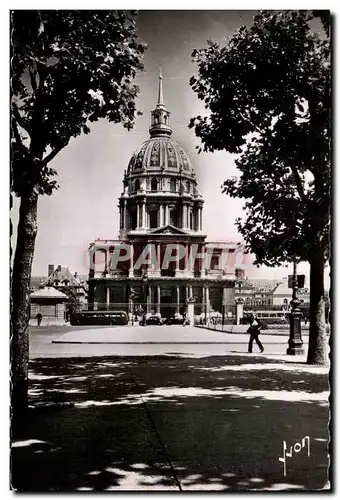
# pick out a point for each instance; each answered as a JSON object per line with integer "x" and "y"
{"x": 159, "y": 154}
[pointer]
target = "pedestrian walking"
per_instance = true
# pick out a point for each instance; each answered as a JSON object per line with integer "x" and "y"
{"x": 39, "y": 318}
{"x": 254, "y": 331}
{"x": 184, "y": 319}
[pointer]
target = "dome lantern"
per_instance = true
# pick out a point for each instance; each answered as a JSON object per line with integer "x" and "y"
{"x": 160, "y": 116}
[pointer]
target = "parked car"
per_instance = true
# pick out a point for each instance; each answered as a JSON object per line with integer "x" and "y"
{"x": 152, "y": 319}
{"x": 176, "y": 319}
{"x": 100, "y": 318}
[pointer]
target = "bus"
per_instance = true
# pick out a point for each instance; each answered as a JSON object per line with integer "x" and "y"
{"x": 269, "y": 317}
{"x": 99, "y": 318}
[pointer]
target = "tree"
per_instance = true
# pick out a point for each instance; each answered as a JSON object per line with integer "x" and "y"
{"x": 68, "y": 69}
{"x": 268, "y": 93}
{"x": 73, "y": 304}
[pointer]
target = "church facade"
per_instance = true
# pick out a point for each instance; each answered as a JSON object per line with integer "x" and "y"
{"x": 161, "y": 257}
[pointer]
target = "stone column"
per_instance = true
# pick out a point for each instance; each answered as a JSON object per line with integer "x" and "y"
{"x": 190, "y": 265}
{"x": 124, "y": 215}
{"x": 191, "y": 311}
{"x": 239, "y": 310}
{"x": 177, "y": 299}
{"x": 224, "y": 304}
{"x": 161, "y": 215}
{"x": 207, "y": 302}
{"x": 107, "y": 297}
{"x": 201, "y": 218}
{"x": 177, "y": 257}
{"x": 159, "y": 264}
{"x": 148, "y": 299}
{"x": 131, "y": 262}
{"x": 158, "y": 310}
{"x": 166, "y": 215}
{"x": 120, "y": 217}
{"x": 105, "y": 258}
{"x": 186, "y": 294}
{"x": 184, "y": 216}
{"x": 138, "y": 216}
{"x": 203, "y": 310}
{"x": 185, "y": 266}
{"x": 143, "y": 216}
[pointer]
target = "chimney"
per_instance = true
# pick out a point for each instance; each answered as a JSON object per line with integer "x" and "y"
{"x": 59, "y": 268}
{"x": 50, "y": 269}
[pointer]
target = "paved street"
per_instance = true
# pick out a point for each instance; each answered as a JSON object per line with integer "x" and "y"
{"x": 151, "y": 340}
{"x": 180, "y": 416}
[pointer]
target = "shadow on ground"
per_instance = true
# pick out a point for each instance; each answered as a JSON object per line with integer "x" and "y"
{"x": 171, "y": 423}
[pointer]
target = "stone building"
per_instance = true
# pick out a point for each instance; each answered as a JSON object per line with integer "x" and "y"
{"x": 63, "y": 280}
{"x": 50, "y": 303}
{"x": 161, "y": 208}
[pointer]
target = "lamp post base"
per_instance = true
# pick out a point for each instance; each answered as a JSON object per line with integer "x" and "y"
{"x": 295, "y": 350}
{"x": 295, "y": 343}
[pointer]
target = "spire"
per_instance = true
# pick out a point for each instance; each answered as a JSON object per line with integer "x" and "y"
{"x": 160, "y": 126}
{"x": 160, "y": 101}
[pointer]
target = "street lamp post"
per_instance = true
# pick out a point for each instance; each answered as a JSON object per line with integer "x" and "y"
{"x": 132, "y": 312}
{"x": 144, "y": 282}
{"x": 295, "y": 343}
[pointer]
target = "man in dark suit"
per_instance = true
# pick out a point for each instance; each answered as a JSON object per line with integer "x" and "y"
{"x": 254, "y": 331}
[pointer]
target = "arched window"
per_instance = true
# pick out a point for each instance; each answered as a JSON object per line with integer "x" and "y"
{"x": 154, "y": 184}
{"x": 173, "y": 185}
{"x": 137, "y": 185}
{"x": 188, "y": 186}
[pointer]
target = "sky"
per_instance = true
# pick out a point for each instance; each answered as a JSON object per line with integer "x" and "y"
{"x": 90, "y": 169}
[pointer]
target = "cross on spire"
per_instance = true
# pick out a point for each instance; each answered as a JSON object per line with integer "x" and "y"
{"x": 160, "y": 101}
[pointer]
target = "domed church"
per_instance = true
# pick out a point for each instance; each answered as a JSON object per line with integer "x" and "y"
{"x": 161, "y": 214}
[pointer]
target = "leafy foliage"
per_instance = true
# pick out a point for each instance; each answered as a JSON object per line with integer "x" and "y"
{"x": 69, "y": 68}
{"x": 73, "y": 304}
{"x": 268, "y": 94}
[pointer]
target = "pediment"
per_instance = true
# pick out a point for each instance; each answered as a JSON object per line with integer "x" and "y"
{"x": 169, "y": 229}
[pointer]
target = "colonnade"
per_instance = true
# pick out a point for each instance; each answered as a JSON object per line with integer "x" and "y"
{"x": 153, "y": 297}
{"x": 191, "y": 216}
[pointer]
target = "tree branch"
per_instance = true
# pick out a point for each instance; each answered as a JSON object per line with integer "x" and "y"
{"x": 251, "y": 123}
{"x": 33, "y": 81}
{"x": 20, "y": 119}
{"x": 17, "y": 136}
{"x": 54, "y": 153}
{"x": 298, "y": 183}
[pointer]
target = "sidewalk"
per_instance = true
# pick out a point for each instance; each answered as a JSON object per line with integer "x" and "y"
{"x": 243, "y": 329}
{"x": 172, "y": 423}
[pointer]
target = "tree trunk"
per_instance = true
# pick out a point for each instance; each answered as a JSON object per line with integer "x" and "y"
{"x": 317, "y": 350}
{"x": 21, "y": 275}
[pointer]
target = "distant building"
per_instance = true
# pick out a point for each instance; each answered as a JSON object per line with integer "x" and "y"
{"x": 282, "y": 295}
{"x": 63, "y": 280}
{"x": 255, "y": 292}
{"x": 50, "y": 303}
{"x": 266, "y": 293}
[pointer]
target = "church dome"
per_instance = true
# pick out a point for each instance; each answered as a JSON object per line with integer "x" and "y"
{"x": 161, "y": 154}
